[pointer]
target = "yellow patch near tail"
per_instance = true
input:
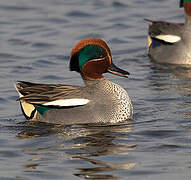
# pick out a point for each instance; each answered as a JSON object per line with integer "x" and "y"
{"x": 149, "y": 42}
{"x": 28, "y": 109}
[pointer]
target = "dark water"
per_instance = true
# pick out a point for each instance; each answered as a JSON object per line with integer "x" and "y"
{"x": 36, "y": 38}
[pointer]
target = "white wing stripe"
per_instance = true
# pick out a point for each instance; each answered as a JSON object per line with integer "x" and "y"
{"x": 169, "y": 38}
{"x": 67, "y": 102}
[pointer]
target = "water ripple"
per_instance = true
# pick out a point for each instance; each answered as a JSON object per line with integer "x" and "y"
{"x": 36, "y": 39}
{"x": 42, "y": 45}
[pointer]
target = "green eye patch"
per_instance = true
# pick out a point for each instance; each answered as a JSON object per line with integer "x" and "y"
{"x": 90, "y": 52}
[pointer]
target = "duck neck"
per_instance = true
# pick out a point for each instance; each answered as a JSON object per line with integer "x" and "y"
{"x": 186, "y": 35}
{"x": 187, "y": 20}
{"x": 187, "y": 12}
{"x": 90, "y": 81}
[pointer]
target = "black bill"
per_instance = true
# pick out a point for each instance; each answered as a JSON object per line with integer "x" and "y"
{"x": 113, "y": 69}
{"x": 181, "y": 3}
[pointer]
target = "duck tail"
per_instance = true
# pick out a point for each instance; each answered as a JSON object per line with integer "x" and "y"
{"x": 28, "y": 109}
{"x": 148, "y": 20}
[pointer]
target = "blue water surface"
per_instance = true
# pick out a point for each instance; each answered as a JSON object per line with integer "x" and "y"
{"x": 36, "y": 39}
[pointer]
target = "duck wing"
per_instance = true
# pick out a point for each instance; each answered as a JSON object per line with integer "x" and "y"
{"x": 50, "y": 94}
{"x": 165, "y": 31}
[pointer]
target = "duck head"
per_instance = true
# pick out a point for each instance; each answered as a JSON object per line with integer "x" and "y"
{"x": 187, "y": 6}
{"x": 92, "y": 57}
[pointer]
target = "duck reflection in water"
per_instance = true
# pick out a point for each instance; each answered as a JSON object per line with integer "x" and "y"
{"x": 105, "y": 148}
{"x": 171, "y": 85}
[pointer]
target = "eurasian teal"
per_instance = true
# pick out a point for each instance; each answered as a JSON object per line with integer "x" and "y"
{"x": 100, "y": 100}
{"x": 171, "y": 42}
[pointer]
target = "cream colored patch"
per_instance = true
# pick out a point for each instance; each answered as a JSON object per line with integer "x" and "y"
{"x": 67, "y": 102}
{"x": 149, "y": 41}
{"x": 169, "y": 38}
{"x": 27, "y": 108}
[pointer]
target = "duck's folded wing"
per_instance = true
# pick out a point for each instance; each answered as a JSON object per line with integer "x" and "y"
{"x": 165, "y": 31}
{"x": 57, "y": 95}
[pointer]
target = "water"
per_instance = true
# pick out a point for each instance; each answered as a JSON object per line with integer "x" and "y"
{"x": 36, "y": 40}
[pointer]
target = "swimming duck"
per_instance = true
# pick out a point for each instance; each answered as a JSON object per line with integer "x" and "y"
{"x": 99, "y": 101}
{"x": 171, "y": 42}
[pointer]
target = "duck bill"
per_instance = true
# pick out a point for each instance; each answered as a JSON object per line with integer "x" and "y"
{"x": 113, "y": 69}
{"x": 181, "y": 3}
